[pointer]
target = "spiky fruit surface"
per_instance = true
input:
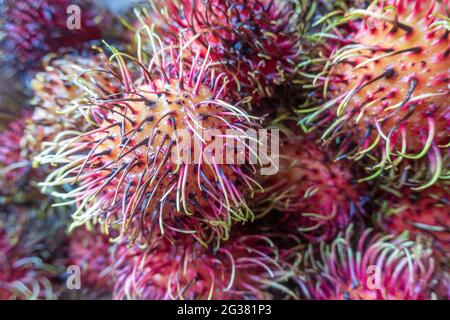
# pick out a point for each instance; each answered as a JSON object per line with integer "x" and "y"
{"x": 255, "y": 41}
{"x": 312, "y": 193}
{"x": 23, "y": 272}
{"x": 367, "y": 266}
{"x": 58, "y": 91}
{"x": 444, "y": 285}
{"x": 243, "y": 268}
{"x": 90, "y": 251}
{"x": 12, "y": 100}
{"x": 14, "y": 169}
{"x": 389, "y": 93}
{"x": 34, "y": 28}
{"x": 128, "y": 170}
{"x": 426, "y": 214}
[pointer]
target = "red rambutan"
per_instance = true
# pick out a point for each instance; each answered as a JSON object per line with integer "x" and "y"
{"x": 425, "y": 214}
{"x": 312, "y": 194}
{"x": 90, "y": 251}
{"x": 12, "y": 100}
{"x": 58, "y": 90}
{"x": 367, "y": 266}
{"x": 33, "y": 28}
{"x": 243, "y": 268}
{"x": 443, "y": 291}
{"x": 128, "y": 169}
{"x": 388, "y": 91}
{"x": 14, "y": 169}
{"x": 23, "y": 271}
{"x": 256, "y": 42}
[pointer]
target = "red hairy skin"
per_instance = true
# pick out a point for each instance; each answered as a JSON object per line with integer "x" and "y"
{"x": 23, "y": 272}
{"x": 34, "y": 28}
{"x": 124, "y": 168}
{"x": 58, "y": 91}
{"x": 388, "y": 92}
{"x": 426, "y": 214}
{"x": 12, "y": 100}
{"x": 444, "y": 284}
{"x": 90, "y": 250}
{"x": 367, "y": 266}
{"x": 245, "y": 267}
{"x": 312, "y": 194}
{"x": 14, "y": 169}
{"x": 256, "y": 42}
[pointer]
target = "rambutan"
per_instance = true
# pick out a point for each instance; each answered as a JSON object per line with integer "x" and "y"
{"x": 387, "y": 91}
{"x": 256, "y": 42}
{"x": 23, "y": 271}
{"x": 443, "y": 291}
{"x": 14, "y": 169}
{"x": 312, "y": 194}
{"x": 134, "y": 170}
{"x": 367, "y": 266}
{"x": 90, "y": 251}
{"x": 33, "y": 28}
{"x": 425, "y": 214}
{"x": 243, "y": 268}
{"x": 58, "y": 90}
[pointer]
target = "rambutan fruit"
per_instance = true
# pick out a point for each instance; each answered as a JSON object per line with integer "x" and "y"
{"x": 256, "y": 42}
{"x": 443, "y": 291}
{"x": 242, "y": 268}
{"x": 387, "y": 91}
{"x": 312, "y": 194}
{"x": 14, "y": 169}
{"x": 90, "y": 251}
{"x": 33, "y": 28}
{"x": 23, "y": 271}
{"x": 58, "y": 89}
{"x": 367, "y": 266}
{"x": 128, "y": 169}
{"x": 419, "y": 214}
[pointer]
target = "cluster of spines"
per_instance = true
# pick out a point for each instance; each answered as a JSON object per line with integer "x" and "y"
{"x": 59, "y": 91}
{"x": 172, "y": 266}
{"x": 257, "y": 43}
{"x": 417, "y": 214}
{"x": 24, "y": 273}
{"x": 89, "y": 249}
{"x": 366, "y": 265}
{"x": 312, "y": 194}
{"x": 31, "y": 29}
{"x": 245, "y": 267}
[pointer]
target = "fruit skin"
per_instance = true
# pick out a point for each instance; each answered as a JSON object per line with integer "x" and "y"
{"x": 366, "y": 265}
{"x": 388, "y": 104}
{"x": 18, "y": 178}
{"x": 34, "y": 28}
{"x": 14, "y": 169}
{"x": 66, "y": 80}
{"x": 425, "y": 214}
{"x": 444, "y": 284}
{"x": 245, "y": 267}
{"x": 24, "y": 273}
{"x": 256, "y": 42}
{"x": 312, "y": 194}
{"x": 89, "y": 249}
{"x": 124, "y": 169}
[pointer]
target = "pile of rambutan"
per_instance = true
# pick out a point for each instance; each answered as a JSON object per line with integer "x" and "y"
{"x": 225, "y": 149}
